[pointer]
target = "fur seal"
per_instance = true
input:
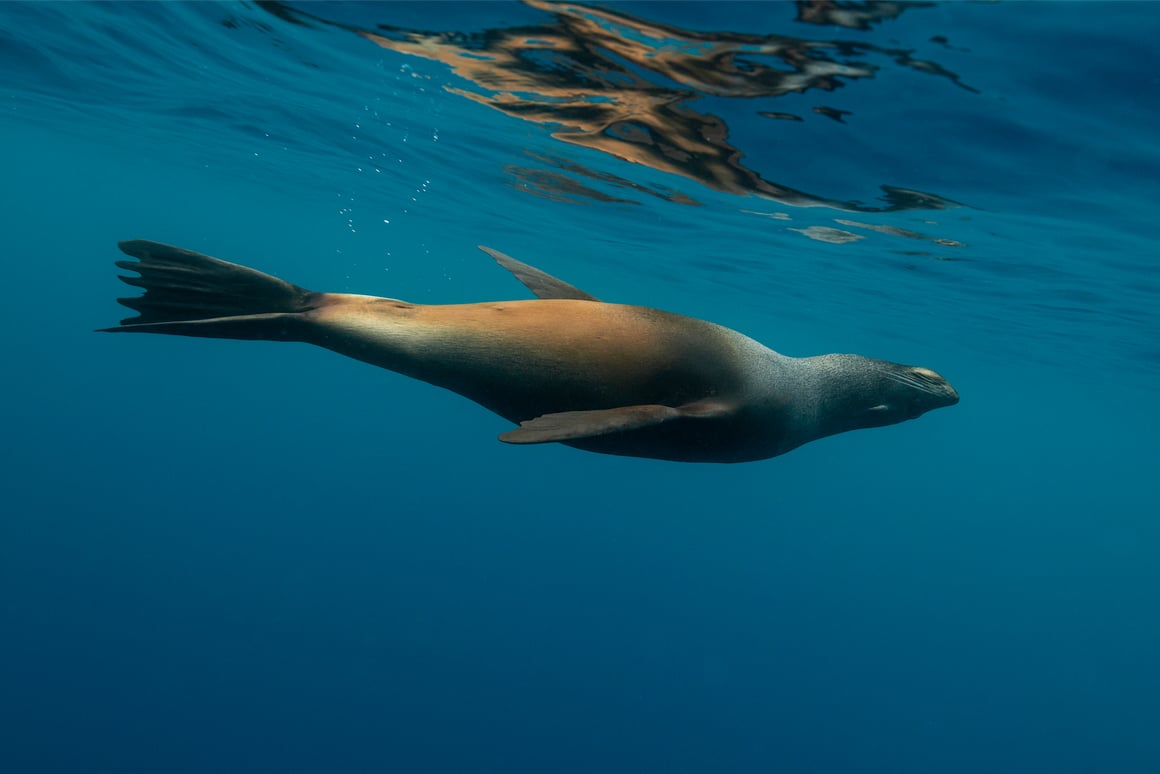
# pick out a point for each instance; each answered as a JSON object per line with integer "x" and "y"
{"x": 608, "y": 378}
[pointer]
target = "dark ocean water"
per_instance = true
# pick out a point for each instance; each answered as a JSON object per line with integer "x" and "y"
{"x": 224, "y": 556}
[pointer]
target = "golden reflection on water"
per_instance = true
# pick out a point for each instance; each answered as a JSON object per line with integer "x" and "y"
{"x": 630, "y": 88}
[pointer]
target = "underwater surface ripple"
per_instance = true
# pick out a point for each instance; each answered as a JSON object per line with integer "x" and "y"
{"x": 1027, "y": 213}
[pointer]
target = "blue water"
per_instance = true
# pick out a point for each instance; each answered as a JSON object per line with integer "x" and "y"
{"x": 221, "y": 556}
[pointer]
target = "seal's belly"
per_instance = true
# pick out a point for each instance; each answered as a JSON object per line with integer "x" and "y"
{"x": 522, "y": 359}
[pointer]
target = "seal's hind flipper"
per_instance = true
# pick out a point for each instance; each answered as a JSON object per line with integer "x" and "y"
{"x": 570, "y": 425}
{"x": 541, "y": 283}
{"x": 190, "y": 294}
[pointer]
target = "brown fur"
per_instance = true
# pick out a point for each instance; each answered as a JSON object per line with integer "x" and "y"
{"x": 522, "y": 359}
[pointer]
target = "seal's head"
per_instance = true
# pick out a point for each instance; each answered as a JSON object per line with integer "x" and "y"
{"x": 908, "y": 392}
{"x": 859, "y": 392}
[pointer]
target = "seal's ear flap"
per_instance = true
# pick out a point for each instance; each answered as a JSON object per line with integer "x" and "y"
{"x": 544, "y": 285}
{"x": 570, "y": 425}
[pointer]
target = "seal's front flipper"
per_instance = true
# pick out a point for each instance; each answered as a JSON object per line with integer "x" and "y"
{"x": 541, "y": 283}
{"x": 570, "y": 425}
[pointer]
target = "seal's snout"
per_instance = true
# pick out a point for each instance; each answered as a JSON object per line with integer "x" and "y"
{"x": 934, "y": 385}
{"x": 928, "y": 390}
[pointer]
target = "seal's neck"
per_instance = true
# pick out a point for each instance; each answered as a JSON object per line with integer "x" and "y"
{"x": 843, "y": 393}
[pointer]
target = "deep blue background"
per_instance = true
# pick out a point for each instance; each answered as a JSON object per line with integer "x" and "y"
{"x": 240, "y": 557}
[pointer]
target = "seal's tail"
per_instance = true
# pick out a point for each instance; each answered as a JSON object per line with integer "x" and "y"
{"x": 190, "y": 294}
